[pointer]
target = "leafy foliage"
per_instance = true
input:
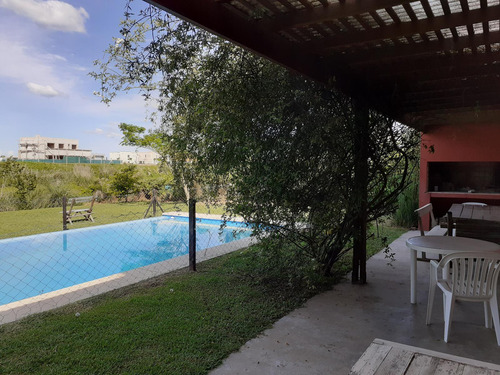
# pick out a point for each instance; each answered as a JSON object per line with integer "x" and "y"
{"x": 124, "y": 181}
{"x": 18, "y": 176}
{"x": 280, "y": 147}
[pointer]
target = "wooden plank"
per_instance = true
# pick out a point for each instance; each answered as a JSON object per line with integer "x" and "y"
{"x": 446, "y": 356}
{"x": 82, "y": 199}
{"x": 371, "y": 359}
{"x": 446, "y": 367}
{"x": 422, "y": 364}
{"x": 475, "y": 370}
{"x": 396, "y": 362}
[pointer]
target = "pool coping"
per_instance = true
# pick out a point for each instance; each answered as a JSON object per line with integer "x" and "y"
{"x": 48, "y": 301}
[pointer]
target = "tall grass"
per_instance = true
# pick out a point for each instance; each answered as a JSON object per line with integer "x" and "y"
{"x": 53, "y": 181}
{"x": 405, "y": 215}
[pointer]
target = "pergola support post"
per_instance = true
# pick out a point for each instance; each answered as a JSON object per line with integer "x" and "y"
{"x": 192, "y": 234}
{"x": 360, "y": 190}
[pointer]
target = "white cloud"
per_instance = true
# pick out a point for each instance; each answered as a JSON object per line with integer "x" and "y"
{"x": 95, "y": 131}
{"x": 51, "y": 14}
{"x": 24, "y": 64}
{"x": 47, "y": 91}
{"x": 110, "y": 131}
{"x": 54, "y": 57}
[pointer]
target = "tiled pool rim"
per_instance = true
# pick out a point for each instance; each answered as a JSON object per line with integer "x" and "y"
{"x": 44, "y": 302}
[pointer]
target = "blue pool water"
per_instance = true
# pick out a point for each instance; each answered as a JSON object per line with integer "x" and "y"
{"x": 42, "y": 263}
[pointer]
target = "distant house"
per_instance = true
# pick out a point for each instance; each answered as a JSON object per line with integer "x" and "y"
{"x": 124, "y": 157}
{"x": 45, "y": 148}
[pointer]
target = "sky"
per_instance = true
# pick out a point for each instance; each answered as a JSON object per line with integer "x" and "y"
{"x": 47, "y": 49}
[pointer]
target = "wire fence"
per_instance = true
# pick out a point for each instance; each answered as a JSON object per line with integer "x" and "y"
{"x": 52, "y": 257}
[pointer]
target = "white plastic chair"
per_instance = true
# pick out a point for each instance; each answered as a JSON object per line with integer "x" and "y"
{"x": 473, "y": 276}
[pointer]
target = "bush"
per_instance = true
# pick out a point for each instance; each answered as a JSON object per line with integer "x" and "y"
{"x": 125, "y": 181}
{"x": 277, "y": 259}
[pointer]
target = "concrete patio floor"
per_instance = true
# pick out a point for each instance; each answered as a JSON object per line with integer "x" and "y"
{"x": 333, "y": 329}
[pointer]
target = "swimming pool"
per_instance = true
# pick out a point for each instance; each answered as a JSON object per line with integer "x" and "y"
{"x": 33, "y": 265}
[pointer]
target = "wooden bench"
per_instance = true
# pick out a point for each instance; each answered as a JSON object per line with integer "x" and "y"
{"x": 386, "y": 357}
{"x": 84, "y": 213}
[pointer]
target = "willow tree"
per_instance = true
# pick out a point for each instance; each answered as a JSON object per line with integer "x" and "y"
{"x": 276, "y": 147}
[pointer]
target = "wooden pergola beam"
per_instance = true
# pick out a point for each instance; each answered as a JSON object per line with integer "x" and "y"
{"x": 384, "y": 54}
{"x": 405, "y": 67}
{"x": 435, "y": 78}
{"x": 487, "y": 84}
{"x": 474, "y": 102}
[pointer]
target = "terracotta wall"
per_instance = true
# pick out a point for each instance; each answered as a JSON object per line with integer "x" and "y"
{"x": 457, "y": 143}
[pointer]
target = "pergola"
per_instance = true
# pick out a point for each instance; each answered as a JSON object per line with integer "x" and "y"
{"x": 423, "y": 62}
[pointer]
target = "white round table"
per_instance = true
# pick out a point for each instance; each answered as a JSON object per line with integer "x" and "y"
{"x": 441, "y": 245}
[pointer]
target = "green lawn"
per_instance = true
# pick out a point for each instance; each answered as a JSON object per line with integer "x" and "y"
{"x": 180, "y": 323}
{"x": 23, "y": 223}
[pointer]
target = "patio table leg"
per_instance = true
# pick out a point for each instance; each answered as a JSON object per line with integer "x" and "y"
{"x": 413, "y": 276}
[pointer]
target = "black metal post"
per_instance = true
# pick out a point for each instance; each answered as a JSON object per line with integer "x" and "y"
{"x": 154, "y": 202}
{"x": 360, "y": 191}
{"x": 192, "y": 234}
{"x": 64, "y": 214}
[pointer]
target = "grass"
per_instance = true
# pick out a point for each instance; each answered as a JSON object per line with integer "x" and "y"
{"x": 180, "y": 323}
{"x": 27, "y": 222}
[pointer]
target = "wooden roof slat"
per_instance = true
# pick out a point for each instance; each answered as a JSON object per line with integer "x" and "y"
{"x": 287, "y": 5}
{"x": 445, "y": 6}
{"x": 464, "y": 4}
{"x": 321, "y": 30}
{"x": 408, "y": 28}
{"x": 269, "y": 5}
{"x": 407, "y": 7}
{"x": 306, "y": 4}
{"x": 427, "y": 8}
{"x": 393, "y": 15}
{"x": 333, "y": 11}
{"x": 377, "y": 18}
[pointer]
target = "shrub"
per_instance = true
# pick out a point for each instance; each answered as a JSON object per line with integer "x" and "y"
{"x": 125, "y": 181}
